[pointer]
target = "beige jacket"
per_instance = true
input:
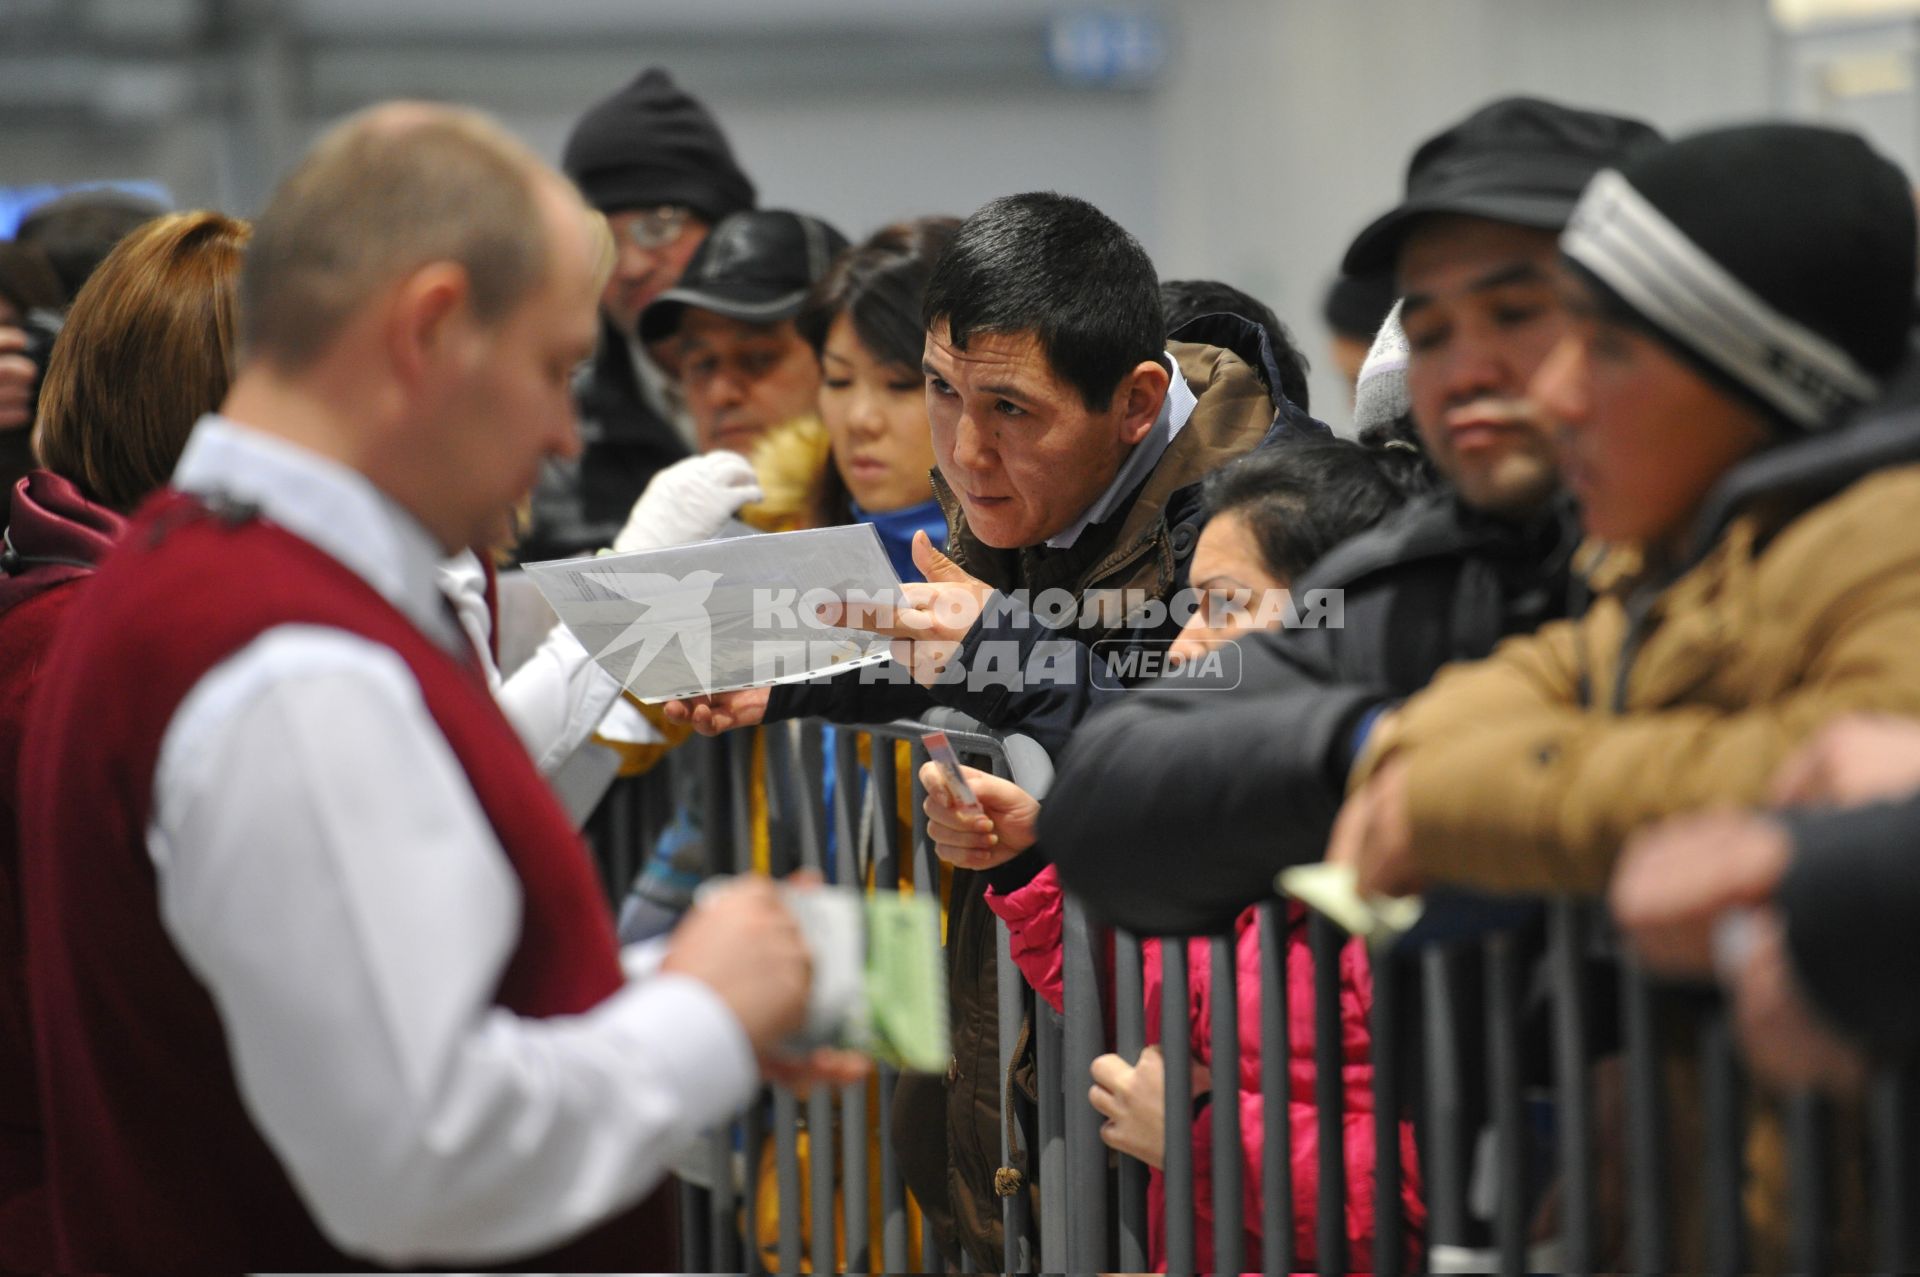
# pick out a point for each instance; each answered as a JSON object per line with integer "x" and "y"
{"x": 1527, "y": 770}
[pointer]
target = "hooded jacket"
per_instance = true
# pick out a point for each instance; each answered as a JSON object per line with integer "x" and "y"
{"x": 1798, "y": 601}
{"x": 55, "y": 537}
{"x": 1143, "y": 547}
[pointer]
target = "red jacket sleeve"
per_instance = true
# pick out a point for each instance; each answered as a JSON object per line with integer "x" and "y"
{"x": 1034, "y": 915}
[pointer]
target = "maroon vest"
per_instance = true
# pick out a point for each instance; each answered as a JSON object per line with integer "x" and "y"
{"x": 153, "y": 1162}
{"x": 26, "y": 1236}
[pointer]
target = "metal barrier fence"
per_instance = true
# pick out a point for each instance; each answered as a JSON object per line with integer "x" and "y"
{"x": 1569, "y": 1114}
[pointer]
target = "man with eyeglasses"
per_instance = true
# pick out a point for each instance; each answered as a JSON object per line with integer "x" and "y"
{"x": 653, "y": 159}
{"x": 744, "y": 366}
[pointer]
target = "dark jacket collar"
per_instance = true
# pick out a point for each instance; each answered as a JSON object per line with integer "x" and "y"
{"x": 1440, "y": 525}
{"x": 55, "y": 534}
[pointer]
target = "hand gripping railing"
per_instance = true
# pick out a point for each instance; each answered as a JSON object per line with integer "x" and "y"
{"x": 1568, "y": 1113}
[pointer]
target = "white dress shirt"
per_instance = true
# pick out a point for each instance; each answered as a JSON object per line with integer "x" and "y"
{"x": 326, "y": 871}
{"x": 557, "y": 696}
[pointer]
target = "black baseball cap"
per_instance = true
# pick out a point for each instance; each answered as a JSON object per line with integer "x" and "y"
{"x": 755, "y": 266}
{"x": 1524, "y": 161}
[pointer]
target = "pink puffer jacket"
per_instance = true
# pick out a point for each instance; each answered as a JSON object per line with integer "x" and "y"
{"x": 1034, "y": 916}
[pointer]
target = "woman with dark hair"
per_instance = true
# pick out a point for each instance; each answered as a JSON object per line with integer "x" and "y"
{"x": 863, "y": 320}
{"x": 147, "y": 349}
{"x": 1269, "y": 516}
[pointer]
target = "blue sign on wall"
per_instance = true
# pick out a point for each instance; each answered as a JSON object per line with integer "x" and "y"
{"x": 1102, "y": 48}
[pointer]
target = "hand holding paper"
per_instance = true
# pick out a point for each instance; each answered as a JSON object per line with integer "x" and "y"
{"x": 874, "y": 973}
{"x": 740, "y": 943}
{"x": 721, "y": 712}
{"x": 1002, "y": 823}
{"x": 940, "y": 611}
{"x": 719, "y": 616}
{"x": 1373, "y": 835}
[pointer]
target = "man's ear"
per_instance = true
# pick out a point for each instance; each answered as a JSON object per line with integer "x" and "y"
{"x": 423, "y": 318}
{"x": 1140, "y": 394}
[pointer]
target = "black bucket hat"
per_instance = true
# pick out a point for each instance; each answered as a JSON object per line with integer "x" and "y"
{"x": 1523, "y": 161}
{"x": 754, "y": 266}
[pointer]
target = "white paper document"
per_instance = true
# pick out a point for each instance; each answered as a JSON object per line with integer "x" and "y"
{"x": 717, "y": 616}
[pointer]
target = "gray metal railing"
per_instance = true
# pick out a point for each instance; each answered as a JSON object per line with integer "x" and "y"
{"x": 1568, "y": 1113}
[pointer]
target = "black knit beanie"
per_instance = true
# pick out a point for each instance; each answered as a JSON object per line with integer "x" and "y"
{"x": 652, "y": 143}
{"x": 1778, "y": 256}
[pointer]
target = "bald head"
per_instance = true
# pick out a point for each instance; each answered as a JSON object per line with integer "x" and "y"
{"x": 385, "y": 193}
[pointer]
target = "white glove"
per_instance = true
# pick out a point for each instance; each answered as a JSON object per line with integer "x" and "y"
{"x": 690, "y": 500}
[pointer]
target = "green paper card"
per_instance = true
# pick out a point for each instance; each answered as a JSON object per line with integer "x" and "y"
{"x": 907, "y": 983}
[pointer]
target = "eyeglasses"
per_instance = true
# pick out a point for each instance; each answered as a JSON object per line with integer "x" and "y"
{"x": 653, "y": 227}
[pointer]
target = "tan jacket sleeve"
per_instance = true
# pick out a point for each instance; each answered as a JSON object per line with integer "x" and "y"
{"x": 1523, "y": 677}
{"x": 1534, "y": 794}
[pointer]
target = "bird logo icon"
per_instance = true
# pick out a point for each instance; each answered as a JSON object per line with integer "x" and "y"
{"x": 674, "y": 609}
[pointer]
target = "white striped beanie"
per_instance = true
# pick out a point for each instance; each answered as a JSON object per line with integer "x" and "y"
{"x": 1777, "y": 258}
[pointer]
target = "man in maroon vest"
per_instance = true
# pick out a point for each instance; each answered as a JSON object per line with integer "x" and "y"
{"x": 321, "y": 974}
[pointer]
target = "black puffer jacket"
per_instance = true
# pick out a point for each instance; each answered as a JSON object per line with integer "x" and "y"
{"x": 1256, "y": 773}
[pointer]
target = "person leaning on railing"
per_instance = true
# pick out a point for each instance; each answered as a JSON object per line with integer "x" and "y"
{"x": 1256, "y": 777}
{"x": 1741, "y": 295}
{"x": 1071, "y": 436}
{"x": 1268, "y": 516}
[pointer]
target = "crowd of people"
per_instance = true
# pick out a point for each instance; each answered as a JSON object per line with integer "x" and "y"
{"x": 303, "y": 964}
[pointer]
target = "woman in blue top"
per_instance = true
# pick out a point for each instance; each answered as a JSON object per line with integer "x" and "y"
{"x": 863, "y": 319}
{"x": 868, "y": 459}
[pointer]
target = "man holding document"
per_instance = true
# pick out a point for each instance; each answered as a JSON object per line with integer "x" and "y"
{"x": 322, "y": 975}
{"x": 1071, "y": 439}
